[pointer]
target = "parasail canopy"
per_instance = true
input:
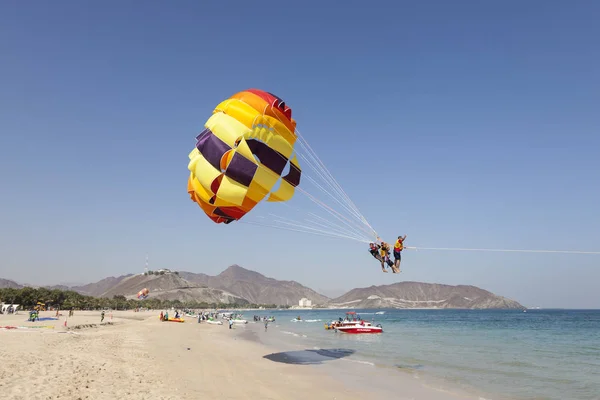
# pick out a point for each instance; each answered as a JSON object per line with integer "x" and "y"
{"x": 240, "y": 156}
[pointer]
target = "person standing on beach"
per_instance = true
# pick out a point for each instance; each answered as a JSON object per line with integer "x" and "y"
{"x": 102, "y": 316}
{"x": 266, "y": 324}
{"x": 398, "y": 247}
{"x": 230, "y": 323}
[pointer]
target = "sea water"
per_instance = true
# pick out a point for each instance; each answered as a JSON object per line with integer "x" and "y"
{"x": 538, "y": 354}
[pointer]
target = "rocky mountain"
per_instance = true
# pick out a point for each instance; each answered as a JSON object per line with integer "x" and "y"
{"x": 99, "y": 288}
{"x": 257, "y": 288}
{"x": 234, "y": 285}
{"x": 93, "y": 289}
{"x": 200, "y": 295}
{"x": 237, "y": 285}
{"x": 422, "y": 295}
{"x": 170, "y": 286}
{"x": 130, "y": 285}
{"x": 5, "y": 283}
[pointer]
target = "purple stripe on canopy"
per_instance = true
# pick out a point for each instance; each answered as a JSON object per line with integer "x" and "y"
{"x": 241, "y": 170}
{"x": 211, "y": 147}
{"x": 293, "y": 177}
{"x": 221, "y": 213}
{"x": 268, "y": 157}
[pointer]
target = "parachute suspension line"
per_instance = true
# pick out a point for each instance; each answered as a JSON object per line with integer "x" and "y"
{"x": 315, "y": 168}
{"x": 343, "y": 231}
{"x": 358, "y": 229}
{"x": 335, "y": 184}
{"x": 503, "y": 250}
{"x": 356, "y": 225}
{"x": 328, "y": 178}
{"x": 323, "y": 174}
{"x": 316, "y": 223}
{"x": 323, "y": 222}
{"x": 297, "y": 230}
{"x": 331, "y": 210}
{"x": 350, "y": 210}
{"x": 286, "y": 221}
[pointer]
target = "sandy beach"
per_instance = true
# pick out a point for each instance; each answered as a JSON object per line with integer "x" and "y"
{"x": 135, "y": 356}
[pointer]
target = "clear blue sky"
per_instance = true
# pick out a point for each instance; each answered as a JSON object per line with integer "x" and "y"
{"x": 461, "y": 124}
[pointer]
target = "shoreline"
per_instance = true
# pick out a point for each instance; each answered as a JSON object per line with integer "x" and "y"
{"x": 137, "y": 356}
{"x": 357, "y": 372}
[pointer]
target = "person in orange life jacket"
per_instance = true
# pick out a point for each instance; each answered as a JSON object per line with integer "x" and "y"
{"x": 398, "y": 247}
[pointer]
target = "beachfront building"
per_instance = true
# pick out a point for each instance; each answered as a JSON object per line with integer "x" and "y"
{"x": 304, "y": 302}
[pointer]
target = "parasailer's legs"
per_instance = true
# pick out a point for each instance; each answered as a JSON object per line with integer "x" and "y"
{"x": 382, "y": 261}
{"x": 386, "y": 260}
{"x": 390, "y": 264}
{"x": 397, "y": 260}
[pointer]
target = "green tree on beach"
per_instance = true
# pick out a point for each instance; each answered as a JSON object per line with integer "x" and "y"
{"x": 28, "y": 297}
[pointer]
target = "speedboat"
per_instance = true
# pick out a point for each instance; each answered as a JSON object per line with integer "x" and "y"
{"x": 360, "y": 327}
{"x": 354, "y": 324}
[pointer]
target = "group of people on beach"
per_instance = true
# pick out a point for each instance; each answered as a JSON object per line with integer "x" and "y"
{"x": 381, "y": 252}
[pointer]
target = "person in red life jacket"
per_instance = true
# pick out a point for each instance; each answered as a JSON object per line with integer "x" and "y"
{"x": 398, "y": 247}
{"x": 374, "y": 250}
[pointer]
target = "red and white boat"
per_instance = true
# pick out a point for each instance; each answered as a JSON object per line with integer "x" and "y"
{"x": 354, "y": 324}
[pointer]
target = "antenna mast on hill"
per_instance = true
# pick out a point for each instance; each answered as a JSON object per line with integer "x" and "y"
{"x": 146, "y": 269}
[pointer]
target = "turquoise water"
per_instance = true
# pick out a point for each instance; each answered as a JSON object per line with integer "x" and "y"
{"x": 538, "y": 354}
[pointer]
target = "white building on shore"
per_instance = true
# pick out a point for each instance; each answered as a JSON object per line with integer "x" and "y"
{"x": 304, "y": 302}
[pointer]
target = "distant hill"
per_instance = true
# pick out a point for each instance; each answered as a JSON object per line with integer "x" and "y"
{"x": 93, "y": 289}
{"x": 97, "y": 289}
{"x": 237, "y": 285}
{"x": 5, "y": 283}
{"x": 422, "y": 295}
{"x": 234, "y": 285}
{"x": 170, "y": 286}
{"x": 257, "y": 288}
{"x": 155, "y": 283}
{"x": 200, "y": 295}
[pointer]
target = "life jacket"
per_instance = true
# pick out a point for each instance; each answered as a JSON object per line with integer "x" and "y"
{"x": 385, "y": 249}
{"x": 399, "y": 245}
